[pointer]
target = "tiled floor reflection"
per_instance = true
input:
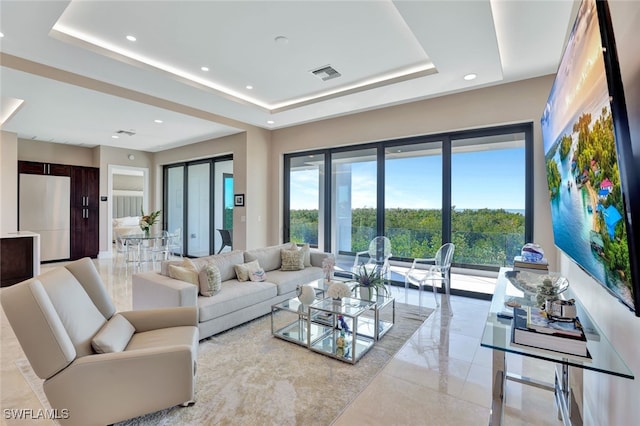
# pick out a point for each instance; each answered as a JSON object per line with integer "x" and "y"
{"x": 441, "y": 376}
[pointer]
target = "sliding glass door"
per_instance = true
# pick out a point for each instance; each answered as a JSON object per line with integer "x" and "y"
{"x": 473, "y": 188}
{"x": 199, "y": 200}
{"x": 488, "y": 197}
{"x": 354, "y": 199}
{"x": 199, "y": 209}
{"x": 413, "y": 199}
{"x": 306, "y": 199}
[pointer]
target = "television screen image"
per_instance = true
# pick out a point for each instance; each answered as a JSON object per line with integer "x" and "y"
{"x": 582, "y": 163}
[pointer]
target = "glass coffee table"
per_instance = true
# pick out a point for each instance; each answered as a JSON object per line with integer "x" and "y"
{"x": 327, "y": 326}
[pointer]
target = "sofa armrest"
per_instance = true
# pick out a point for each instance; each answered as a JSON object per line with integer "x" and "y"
{"x": 317, "y": 257}
{"x": 152, "y": 290}
{"x": 153, "y": 319}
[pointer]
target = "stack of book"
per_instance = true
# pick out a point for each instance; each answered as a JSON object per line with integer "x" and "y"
{"x": 519, "y": 264}
{"x": 532, "y": 328}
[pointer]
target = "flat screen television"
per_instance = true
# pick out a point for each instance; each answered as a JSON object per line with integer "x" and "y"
{"x": 589, "y": 159}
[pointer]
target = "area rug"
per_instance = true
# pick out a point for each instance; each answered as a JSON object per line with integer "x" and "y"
{"x": 248, "y": 377}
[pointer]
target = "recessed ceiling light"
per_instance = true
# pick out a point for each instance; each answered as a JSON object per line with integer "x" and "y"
{"x": 157, "y": 121}
{"x": 131, "y": 38}
{"x": 281, "y": 40}
{"x": 249, "y": 87}
{"x": 205, "y": 69}
{"x": 1, "y": 35}
{"x": 115, "y": 137}
{"x": 470, "y": 77}
{"x": 270, "y": 122}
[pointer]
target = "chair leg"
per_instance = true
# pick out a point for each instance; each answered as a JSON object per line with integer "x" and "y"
{"x": 435, "y": 292}
{"x": 447, "y": 287}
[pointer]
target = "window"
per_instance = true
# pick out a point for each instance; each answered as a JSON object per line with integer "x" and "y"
{"x": 354, "y": 199}
{"x": 199, "y": 199}
{"x": 488, "y": 198}
{"x": 472, "y": 188}
{"x": 306, "y": 199}
{"x": 413, "y": 199}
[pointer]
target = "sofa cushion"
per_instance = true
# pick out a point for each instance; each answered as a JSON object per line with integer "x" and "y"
{"x": 233, "y": 296}
{"x": 114, "y": 336}
{"x": 209, "y": 279}
{"x": 268, "y": 257}
{"x": 183, "y": 273}
{"x": 292, "y": 260}
{"x": 287, "y": 281}
{"x": 245, "y": 270}
{"x": 306, "y": 251}
{"x": 225, "y": 263}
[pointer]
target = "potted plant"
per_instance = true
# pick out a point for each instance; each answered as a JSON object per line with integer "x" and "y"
{"x": 369, "y": 279}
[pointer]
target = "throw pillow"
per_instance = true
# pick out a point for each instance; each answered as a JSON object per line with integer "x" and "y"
{"x": 244, "y": 270}
{"x": 306, "y": 250}
{"x": 210, "y": 280}
{"x": 292, "y": 260}
{"x": 114, "y": 336}
{"x": 258, "y": 275}
{"x": 183, "y": 274}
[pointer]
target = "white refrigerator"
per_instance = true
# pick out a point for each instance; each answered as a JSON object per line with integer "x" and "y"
{"x": 45, "y": 208}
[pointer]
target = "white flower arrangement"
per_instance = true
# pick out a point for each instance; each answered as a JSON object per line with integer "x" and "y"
{"x": 338, "y": 290}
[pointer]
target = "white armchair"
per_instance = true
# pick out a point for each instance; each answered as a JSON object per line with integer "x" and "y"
{"x": 101, "y": 366}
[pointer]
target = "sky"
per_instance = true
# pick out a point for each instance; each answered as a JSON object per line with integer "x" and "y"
{"x": 481, "y": 179}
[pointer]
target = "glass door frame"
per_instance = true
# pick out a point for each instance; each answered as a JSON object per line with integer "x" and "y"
{"x": 443, "y": 138}
{"x": 185, "y": 215}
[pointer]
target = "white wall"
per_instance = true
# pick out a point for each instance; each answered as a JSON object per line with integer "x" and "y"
{"x": 8, "y": 182}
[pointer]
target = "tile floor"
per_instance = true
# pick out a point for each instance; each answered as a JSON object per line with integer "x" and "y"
{"x": 441, "y": 376}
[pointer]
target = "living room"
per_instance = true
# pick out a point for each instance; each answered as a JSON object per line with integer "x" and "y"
{"x": 259, "y": 222}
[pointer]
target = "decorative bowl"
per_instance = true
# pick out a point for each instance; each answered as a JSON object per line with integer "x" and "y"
{"x": 531, "y": 283}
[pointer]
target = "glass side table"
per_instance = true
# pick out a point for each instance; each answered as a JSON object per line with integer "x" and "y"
{"x": 336, "y": 320}
{"x": 289, "y": 322}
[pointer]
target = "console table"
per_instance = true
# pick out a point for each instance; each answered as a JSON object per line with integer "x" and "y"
{"x": 497, "y": 336}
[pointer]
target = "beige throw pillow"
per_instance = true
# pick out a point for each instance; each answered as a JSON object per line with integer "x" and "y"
{"x": 306, "y": 251}
{"x": 245, "y": 271}
{"x": 210, "y": 280}
{"x": 114, "y": 336}
{"x": 186, "y": 272}
{"x": 292, "y": 260}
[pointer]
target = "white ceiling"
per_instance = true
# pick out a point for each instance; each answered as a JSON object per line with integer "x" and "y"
{"x": 81, "y": 80}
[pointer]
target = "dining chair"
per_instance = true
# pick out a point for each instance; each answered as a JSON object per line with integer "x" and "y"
{"x": 174, "y": 245}
{"x": 122, "y": 251}
{"x": 227, "y": 238}
{"x": 160, "y": 247}
{"x": 435, "y": 269}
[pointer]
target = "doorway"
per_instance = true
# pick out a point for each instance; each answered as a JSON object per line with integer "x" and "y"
{"x": 128, "y": 193}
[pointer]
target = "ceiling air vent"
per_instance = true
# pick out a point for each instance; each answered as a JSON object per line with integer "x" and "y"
{"x": 326, "y": 73}
{"x": 125, "y": 132}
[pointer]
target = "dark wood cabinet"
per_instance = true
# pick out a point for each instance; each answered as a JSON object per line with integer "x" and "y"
{"x": 36, "y": 168}
{"x": 16, "y": 260}
{"x": 84, "y": 199}
{"x": 85, "y": 189}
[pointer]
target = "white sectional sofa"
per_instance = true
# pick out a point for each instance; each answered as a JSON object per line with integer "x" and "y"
{"x": 237, "y": 301}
